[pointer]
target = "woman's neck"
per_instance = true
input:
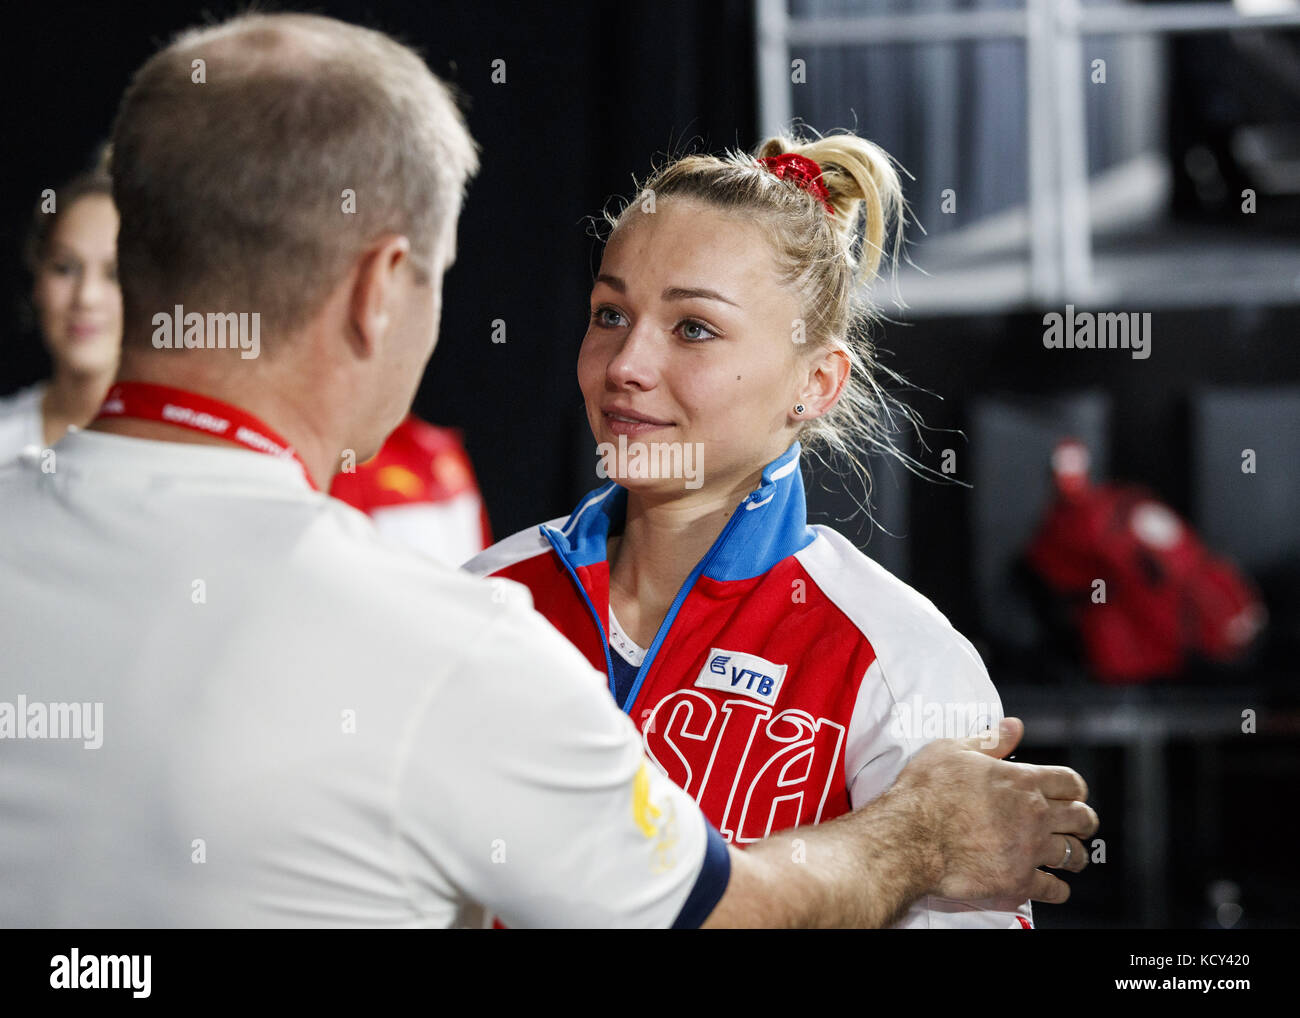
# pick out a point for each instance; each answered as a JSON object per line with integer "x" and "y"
{"x": 72, "y": 399}
{"x": 661, "y": 542}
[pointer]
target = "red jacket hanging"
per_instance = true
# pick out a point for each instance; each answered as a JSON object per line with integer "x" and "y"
{"x": 1146, "y": 591}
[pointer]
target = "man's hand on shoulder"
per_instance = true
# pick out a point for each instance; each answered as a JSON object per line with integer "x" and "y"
{"x": 993, "y": 823}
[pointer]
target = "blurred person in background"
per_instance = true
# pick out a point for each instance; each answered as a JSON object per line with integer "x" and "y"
{"x": 71, "y": 252}
{"x": 420, "y": 491}
{"x": 420, "y": 488}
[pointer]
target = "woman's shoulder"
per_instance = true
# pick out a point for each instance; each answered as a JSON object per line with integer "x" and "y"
{"x": 21, "y": 420}
{"x": 24, "y": 401}
{"x": 902, "y": 624}
{"x": 518, "y": 547}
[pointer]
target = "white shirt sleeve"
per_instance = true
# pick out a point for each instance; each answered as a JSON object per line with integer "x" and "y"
{"x": 553, "y": 816}
{"x": 936, "y": 688}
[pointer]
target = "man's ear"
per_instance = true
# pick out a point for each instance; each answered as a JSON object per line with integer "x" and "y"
{"x": 377, "y": 287}
{"x": 827, "y": 376}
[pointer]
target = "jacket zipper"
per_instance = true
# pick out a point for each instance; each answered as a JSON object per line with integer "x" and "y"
{"x": 673, "y": 609}
{"x": 582, "y": 592}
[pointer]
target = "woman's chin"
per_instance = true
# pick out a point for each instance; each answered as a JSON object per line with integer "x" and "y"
{"x": 657, "y": 489}
{"x": 676, "y": 481}
{"x": 647, "y": 466}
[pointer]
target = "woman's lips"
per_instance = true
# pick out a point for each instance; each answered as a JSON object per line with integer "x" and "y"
{"x": 625, "y": 423}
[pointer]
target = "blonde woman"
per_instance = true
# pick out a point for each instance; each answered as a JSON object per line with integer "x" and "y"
{"x": 72, "y": 256}
{"x": 777, "y": 674}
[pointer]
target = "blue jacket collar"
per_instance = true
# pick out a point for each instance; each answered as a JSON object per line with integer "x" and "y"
{"x": 772, "y": 524}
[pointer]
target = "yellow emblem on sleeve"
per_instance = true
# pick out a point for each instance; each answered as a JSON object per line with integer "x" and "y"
{"x": 644, "y": 812}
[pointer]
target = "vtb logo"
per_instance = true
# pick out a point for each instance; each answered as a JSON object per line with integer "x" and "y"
{"x": 733, "y": 672}
{"x": 751, "y": 771}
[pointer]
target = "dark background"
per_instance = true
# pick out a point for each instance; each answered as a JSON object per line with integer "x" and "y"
{"x": 594, "y": 92}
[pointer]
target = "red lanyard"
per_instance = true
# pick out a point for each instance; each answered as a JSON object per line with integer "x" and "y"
{"x": 147, "y": 402}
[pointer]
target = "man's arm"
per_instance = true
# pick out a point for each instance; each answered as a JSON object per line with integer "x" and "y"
{"x": 553, "y": 816}
{"x": 959, "y": 822}
{"x": 863, "y": 869}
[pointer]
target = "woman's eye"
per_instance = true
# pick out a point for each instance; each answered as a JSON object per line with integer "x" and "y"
{"x": 696, "y": 331}
{"x": 607, "y": 317}
{"x": 63, "y": 268}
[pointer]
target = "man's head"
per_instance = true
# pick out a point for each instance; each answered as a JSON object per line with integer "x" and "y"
{"x": 303, "y": 169}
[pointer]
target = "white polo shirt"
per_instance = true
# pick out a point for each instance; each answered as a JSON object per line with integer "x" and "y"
{"x": 225, "y": 700}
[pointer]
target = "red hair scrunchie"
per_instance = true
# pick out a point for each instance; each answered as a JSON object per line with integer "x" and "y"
{"x": 803, "y": 172}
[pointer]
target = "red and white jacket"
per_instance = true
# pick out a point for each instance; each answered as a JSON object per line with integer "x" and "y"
{"x": 420, "y": 490}
{"x": 792, "y": 677}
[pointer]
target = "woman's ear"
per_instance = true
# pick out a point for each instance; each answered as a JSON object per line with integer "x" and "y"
{"x": 827, "y": 375}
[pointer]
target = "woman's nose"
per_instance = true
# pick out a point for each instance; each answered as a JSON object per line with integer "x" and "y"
{"x": 635, "y": 362}
{"x": 93, "y": 289}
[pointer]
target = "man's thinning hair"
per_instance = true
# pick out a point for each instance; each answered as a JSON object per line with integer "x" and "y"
{"x": 231, "y": 191}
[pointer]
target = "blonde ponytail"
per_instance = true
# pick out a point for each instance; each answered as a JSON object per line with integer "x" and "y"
{"x": 862, "y": 182}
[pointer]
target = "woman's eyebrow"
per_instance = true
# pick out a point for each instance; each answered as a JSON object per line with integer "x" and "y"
{"x": 686, "y": 292}
{"x": 672, "y": 292}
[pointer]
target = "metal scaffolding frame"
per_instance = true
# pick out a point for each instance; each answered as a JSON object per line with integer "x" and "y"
{"x": 1053, "y": 31}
